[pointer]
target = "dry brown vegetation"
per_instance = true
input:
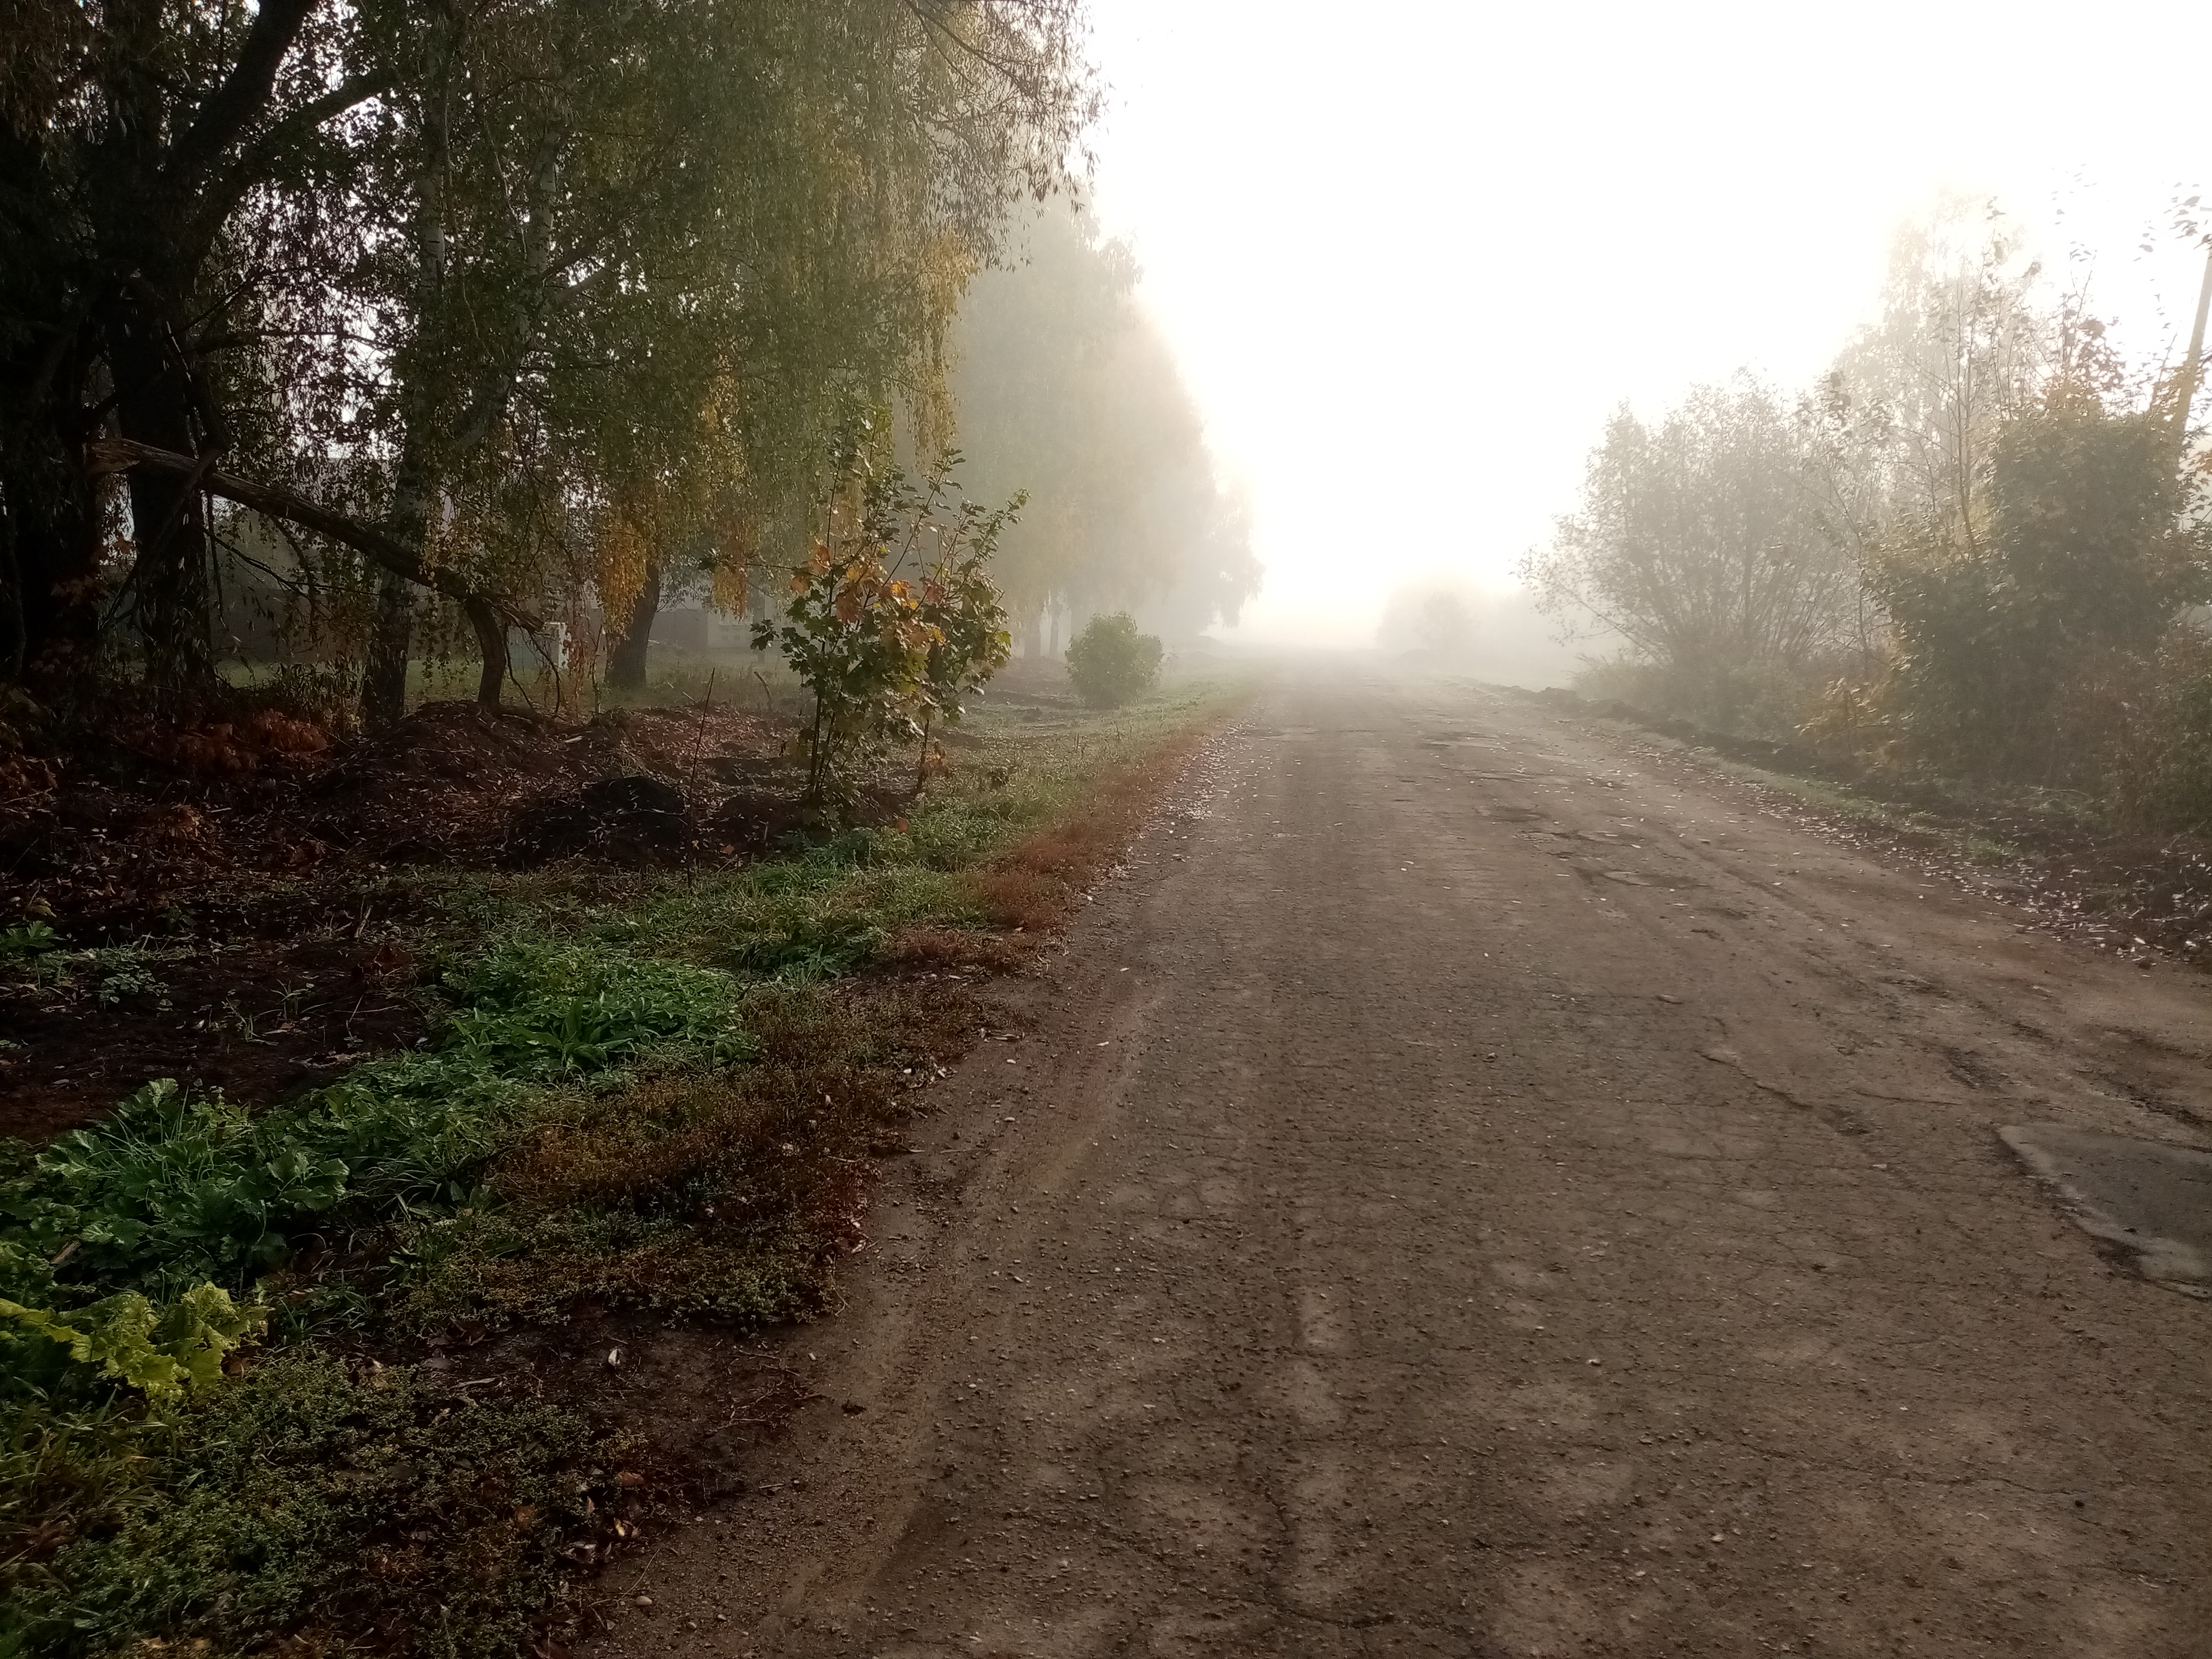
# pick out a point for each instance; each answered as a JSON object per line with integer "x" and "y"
{"x": 1036, "y": 882}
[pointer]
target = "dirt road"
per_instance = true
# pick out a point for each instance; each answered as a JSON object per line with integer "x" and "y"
{"x": 1483, "y": 1186}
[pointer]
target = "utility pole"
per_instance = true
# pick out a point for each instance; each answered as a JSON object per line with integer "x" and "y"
{"x": 2194, "y": 362}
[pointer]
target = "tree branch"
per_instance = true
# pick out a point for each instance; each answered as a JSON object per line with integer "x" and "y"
{"x": 243, "y": 93}
{"x": 124, "y": 455}
{"x": 259, "y": 159}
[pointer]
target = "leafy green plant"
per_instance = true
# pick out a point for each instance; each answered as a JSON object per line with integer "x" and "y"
{"x": 885, "y": 654}
{"x": 121, "y": 972}
{"x": 159, "y": 1352}
{"x": 436, "y": 1520}
{"x": 115, "y": 974}
{"x": 172, "y": 1189}
{"x": 536, "y": 1010}
{"x": 1110, "y": 662}
{"x": 28, "y": 939}
{"x": 818, "y": 945}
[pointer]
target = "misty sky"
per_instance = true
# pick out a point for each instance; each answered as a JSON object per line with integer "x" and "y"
{"x": 1412, "y": 254}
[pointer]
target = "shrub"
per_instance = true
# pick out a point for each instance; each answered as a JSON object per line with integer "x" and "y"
{"x": 1110, "y": 662}
{"x": 1758, "y": 698}
{"x": 2162, "y": 771}
{"x": 886, "y": 654}
{"x": 2084, "y": 556}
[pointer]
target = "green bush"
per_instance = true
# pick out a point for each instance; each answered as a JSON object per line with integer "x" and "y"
{"x": 2084, "y": 556}
{"x": 1110, "y": 662}
{"x": 2162, "y": 772}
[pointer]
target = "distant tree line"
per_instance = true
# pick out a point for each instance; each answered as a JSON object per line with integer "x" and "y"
{"x": 1979, "y": 546}
{"x": 1066, "y": 390}
{"x": 422, "y": 322}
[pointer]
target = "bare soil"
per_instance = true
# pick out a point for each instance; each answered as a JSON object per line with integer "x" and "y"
{"x": 280, "y": 889}
{"x": 1473, "y": 1188}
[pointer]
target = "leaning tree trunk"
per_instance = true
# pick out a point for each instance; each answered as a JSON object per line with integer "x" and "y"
{"x": 626, "y": 661}
{"x": 491, "y": 641}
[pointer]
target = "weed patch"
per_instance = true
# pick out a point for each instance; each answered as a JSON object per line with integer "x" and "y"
{"x": 356, "y": 1506}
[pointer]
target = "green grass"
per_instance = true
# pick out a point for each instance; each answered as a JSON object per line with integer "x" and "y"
{"x": 656, "y": 1092}
{"x": 832, "y": 908}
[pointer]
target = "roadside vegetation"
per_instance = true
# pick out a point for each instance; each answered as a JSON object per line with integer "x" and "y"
{"x": 1977, "y": 549}
{"x": 1964, "y": 578}
{"x": 1110, "y": 662}
{"x": 260, "y": 1383}
{"x": 497, "y": 826}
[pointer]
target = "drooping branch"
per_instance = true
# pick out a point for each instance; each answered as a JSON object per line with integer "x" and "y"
{"x": 123, "y": 455}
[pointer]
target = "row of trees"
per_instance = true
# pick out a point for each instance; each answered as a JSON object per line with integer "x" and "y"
{"x": 1067, "y": 390}
{"x": 449, "y": 315}
{"x": 1977, "y": 544}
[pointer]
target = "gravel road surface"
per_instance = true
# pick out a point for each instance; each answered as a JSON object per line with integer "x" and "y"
{"x": 1482, "y": 1184}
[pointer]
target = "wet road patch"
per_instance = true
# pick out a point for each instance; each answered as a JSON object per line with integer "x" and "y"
{"x": 2152, "y": 1200}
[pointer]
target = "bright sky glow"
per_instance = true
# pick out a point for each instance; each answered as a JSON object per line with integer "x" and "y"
{"x": 1412, "y": 254}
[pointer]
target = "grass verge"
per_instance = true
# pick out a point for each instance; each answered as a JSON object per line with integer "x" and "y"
{"x": 2056, "y": 854}
{"x": 236, "y": 1345}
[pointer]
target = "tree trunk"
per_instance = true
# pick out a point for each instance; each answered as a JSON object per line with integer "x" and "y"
{"x": 169, "y": 521}
{"x": 49, "y": 573}
{"x": 626, "y": 661}
{"x": 383, "y": 677}
{"x": 491, "y": 642}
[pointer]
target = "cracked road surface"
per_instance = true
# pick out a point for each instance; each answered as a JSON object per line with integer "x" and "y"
{"x": 1484, "y": 1184}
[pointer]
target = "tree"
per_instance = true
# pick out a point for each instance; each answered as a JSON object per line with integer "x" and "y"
{"x": 1443, "y": 628}
{"x": 1066, "y": 390}
{"x": 1961, "y": 343}
{"x": 136, "y": 143}
{"x": 2083, "y": 547}
{"x": 478, "y": 297}
{"x": 762, "y": 215}
{"x": 891, "y": 620}
{"x": 1699, "y": 542}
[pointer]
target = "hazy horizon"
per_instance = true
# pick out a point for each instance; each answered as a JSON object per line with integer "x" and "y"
{"x": 1409, "y": 267}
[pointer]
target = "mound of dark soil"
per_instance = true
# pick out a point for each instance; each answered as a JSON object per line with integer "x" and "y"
{"x": 754, "y": 821}
{"x": 636, "y": 819}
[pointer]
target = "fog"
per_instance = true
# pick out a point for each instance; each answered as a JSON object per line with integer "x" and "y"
{"x": 1412, "y": 255}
